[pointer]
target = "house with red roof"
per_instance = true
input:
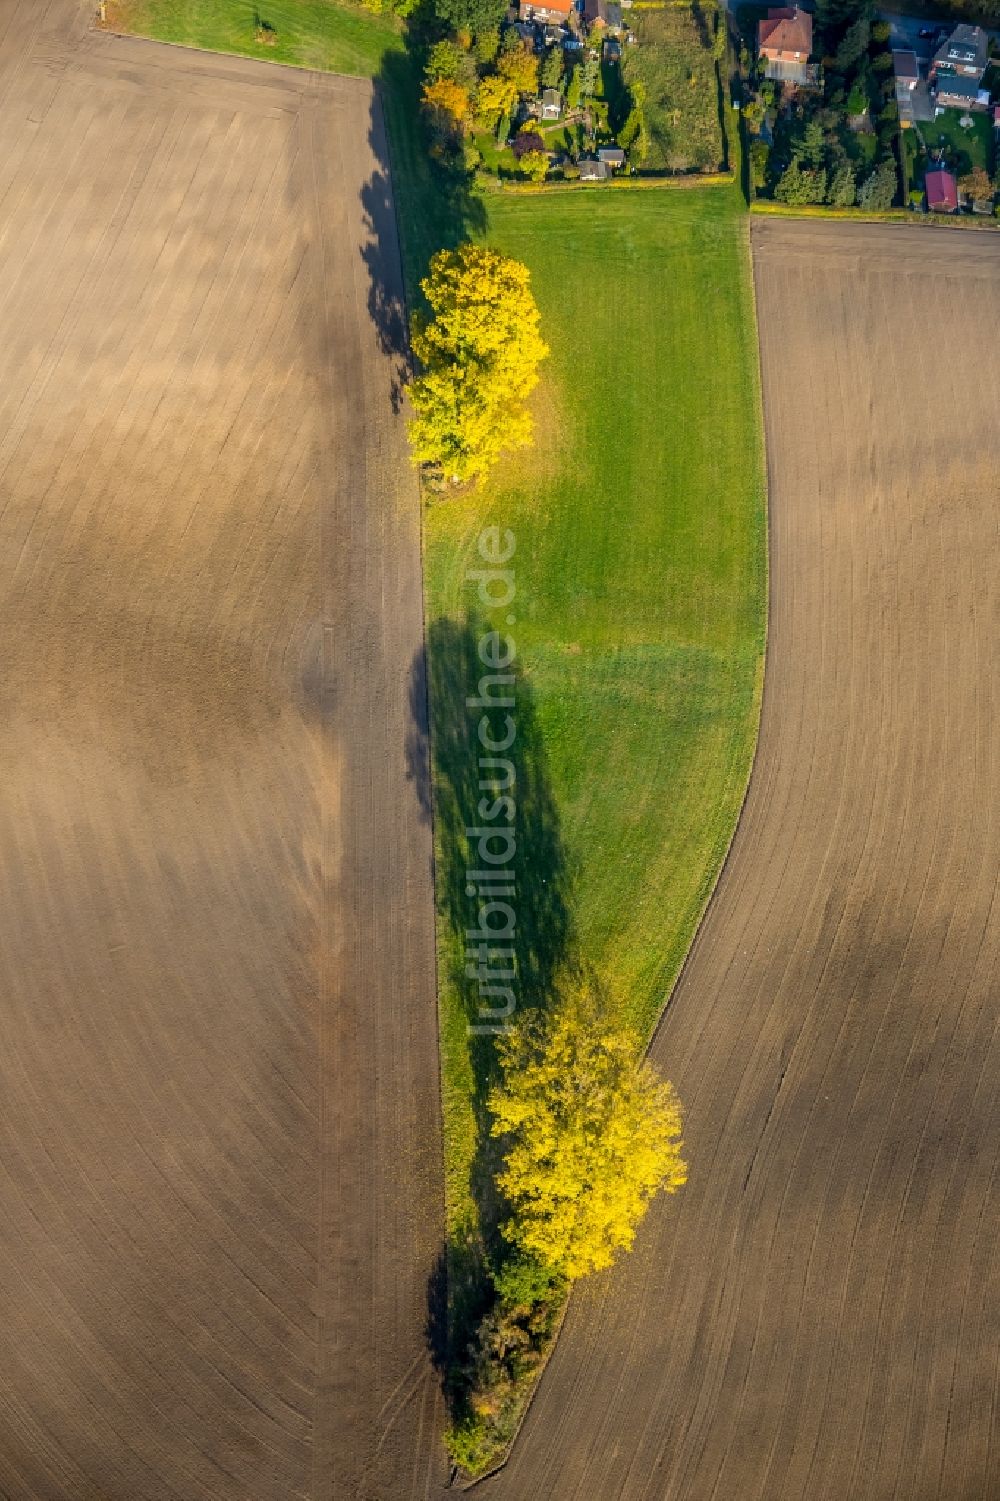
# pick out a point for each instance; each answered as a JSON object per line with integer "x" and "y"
{"x": 941, "y": 188}
{"x": 784, "y": 40}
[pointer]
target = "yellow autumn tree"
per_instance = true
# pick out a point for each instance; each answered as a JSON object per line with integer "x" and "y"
{"x": 521, "y": 67}
{"x": 496, "y": 98}
{"x": 590, "y": 1138}
{"x": 479, "y": 353}
{"x": 445, "y": 97}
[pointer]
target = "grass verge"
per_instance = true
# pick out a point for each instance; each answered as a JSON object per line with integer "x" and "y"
{"x": 319, "y": 34}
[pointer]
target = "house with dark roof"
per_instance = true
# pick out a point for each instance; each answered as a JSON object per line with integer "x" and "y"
{"x": 942, "y": 191}
{"x": 784, "y": 41}
{"x": 952, "y": 91}
{"x": 611, "y": 156}
{"x": 965, "y": 53}
{"x": 592, "y": 170}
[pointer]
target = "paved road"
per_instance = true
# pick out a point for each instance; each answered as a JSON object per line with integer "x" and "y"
{"x": 220, "y": 1179}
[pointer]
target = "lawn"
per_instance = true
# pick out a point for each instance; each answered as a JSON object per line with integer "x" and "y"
{"x": 963, "y": 149}
{"x": 639, "y": 522}
{"x": 307, "y": 33}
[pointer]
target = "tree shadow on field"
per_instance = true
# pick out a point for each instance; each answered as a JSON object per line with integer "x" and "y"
{"x": 469, "y": 779}
{"x": 417, "y": 205}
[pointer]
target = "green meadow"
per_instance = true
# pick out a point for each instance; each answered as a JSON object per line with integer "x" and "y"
{"x": 638, "y": 522}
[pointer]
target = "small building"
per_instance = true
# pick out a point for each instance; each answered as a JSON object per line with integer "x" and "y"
{"x": 784, "y": 41}
{"x": 965, "y": 53}
{"x": 996, "y": 117}
{"x": 942, "y": 191}
{"x": 554, "y": 12}
{"x": 612, "y": 50}
{"x": 592, "y": 170}
{"x": 611, "y": 156}
{"x": 552, "y": 105}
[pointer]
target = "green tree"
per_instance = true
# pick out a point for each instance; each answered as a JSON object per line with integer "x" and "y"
{"x": 854, "y": 44}
{"x": 552, "y": 68}
{"x": 443, "y": 61}
{"x": 474, "y": 16}
{"x": 589, "y": 1137}
{"x": 759, "y": 153}
{"x": 487, "y": 45}
{"x": 857, "y": 100}
{"x": 798, "y": 186}
{"x": 842, "y": 191}
{"x": 479, "y": 353}
{"x": 813, "y": 144}
{"x": 573, "y": 89}
{"x": 590, "y": 72}
{"x": 878, "y": 190}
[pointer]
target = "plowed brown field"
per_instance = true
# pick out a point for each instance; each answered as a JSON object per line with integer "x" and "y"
{"x": 220, "y": 1182}
{"x": 817, "y": 1316}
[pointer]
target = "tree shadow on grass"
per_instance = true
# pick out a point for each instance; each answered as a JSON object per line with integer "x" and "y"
{"x": 412, "y": 210}
{"x": 469, "y": 778}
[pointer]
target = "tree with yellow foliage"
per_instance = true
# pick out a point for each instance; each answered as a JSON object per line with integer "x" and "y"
{"x": 496, "y": 98}
{"x": 534, "y": 164}
{"x": 590, "y": 1138}
{"x": 479, "y": 354}
{"x": 521, "y": 68}
{"x": 448, "y": 100}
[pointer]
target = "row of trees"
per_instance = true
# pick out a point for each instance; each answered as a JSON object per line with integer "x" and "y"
{"x": 588, "y": 1140}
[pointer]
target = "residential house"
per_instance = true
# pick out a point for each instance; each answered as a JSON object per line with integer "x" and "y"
{"x": 784, "y": 41}
{"x": 611, "y": 156}
{"x": 966, "y": 53}
{"x": 603, "y": 15}
{"x": 554, "y": 12}
{"x": 952, "y": 91}
{"x": 942, "y": 191}
{"x": 592, "y": 170}
{"x": 552, "y": 105}
{"x": 913, "y": 96}
{"x": 612, "y": 50}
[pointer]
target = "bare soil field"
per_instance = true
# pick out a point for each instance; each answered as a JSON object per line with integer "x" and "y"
{"x": 817, "y": 1316}
{"x": 220, "y": 1180}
